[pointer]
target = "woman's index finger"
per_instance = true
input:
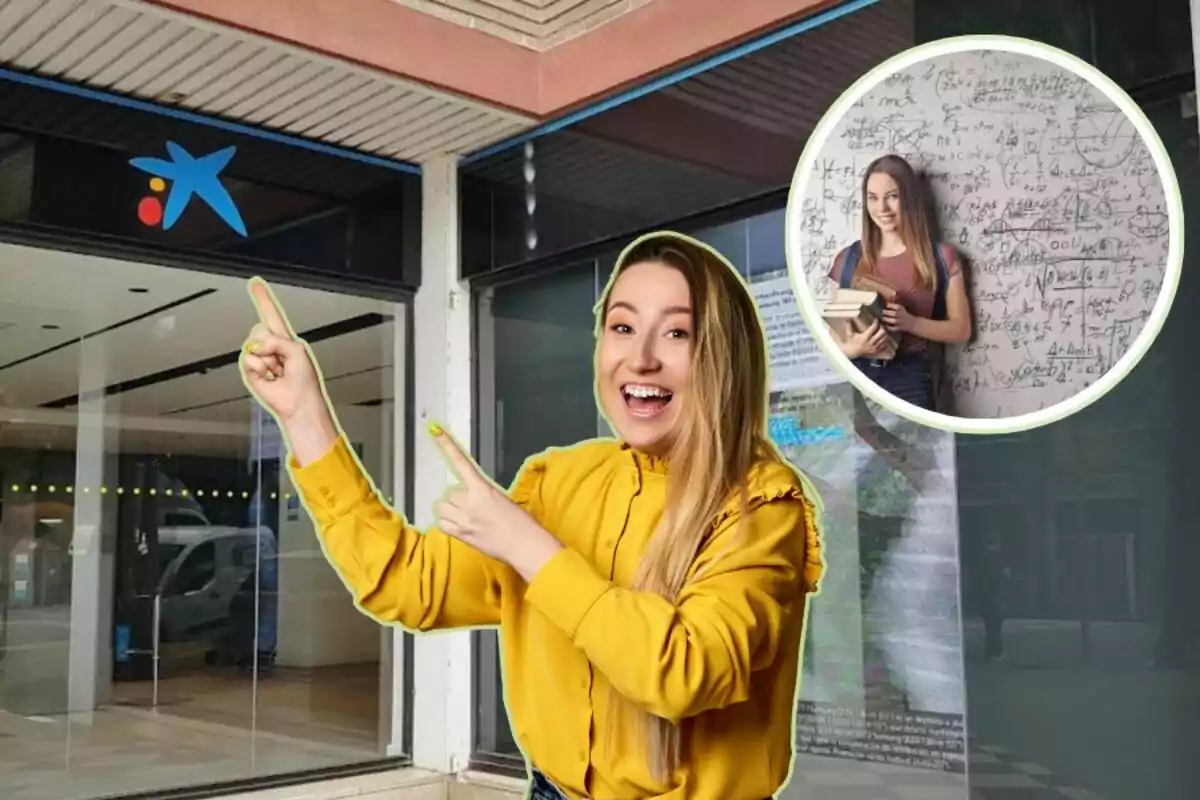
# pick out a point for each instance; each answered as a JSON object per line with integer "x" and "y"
{"x": 269, "y": 310}
{"x": 466, "y": 468}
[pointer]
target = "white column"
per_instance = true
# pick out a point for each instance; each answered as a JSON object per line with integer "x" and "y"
{"x": 93, "y": 545}
{"x": 442, "y": 382}
{"x": 394, "y": 644}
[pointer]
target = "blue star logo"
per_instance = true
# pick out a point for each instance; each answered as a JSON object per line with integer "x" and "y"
{"x": 189, "y": 176}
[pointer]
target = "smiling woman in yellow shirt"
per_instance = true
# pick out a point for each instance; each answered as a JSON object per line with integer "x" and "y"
{"x": 651, "y": 591}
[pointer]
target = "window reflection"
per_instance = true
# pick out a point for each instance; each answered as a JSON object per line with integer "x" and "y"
{"x": 164, "y": 604}
{"x": 1071, "y": 541}
{"x": 883, "y": 667}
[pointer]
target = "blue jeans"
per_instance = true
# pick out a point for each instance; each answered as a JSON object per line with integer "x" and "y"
{"x": 908, "y": 376}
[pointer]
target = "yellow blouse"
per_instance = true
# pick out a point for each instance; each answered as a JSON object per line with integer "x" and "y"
{"x": 723, "y": 659}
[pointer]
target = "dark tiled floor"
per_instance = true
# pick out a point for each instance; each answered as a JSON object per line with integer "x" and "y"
{"x": 994, "y": 775}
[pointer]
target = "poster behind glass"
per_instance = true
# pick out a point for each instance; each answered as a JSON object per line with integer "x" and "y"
{"x": 883, "y": 677}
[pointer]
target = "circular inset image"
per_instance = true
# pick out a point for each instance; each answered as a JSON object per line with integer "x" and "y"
{"x": 984, "y": 234}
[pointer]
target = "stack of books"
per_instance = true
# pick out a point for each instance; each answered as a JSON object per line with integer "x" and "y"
{"x": 852, "y": 311}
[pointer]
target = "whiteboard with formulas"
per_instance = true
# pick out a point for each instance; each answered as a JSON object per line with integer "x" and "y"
{"x": 1048, "y": 193}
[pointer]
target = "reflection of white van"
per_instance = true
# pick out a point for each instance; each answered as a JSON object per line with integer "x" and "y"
{"x": 202, "y": 568}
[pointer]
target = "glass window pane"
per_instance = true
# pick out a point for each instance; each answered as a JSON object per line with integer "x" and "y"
{"x": 1071, "y": 543}
{"x": 884, "y": 661}
{"x": 319, "y": 658}
{"x": 764, "y": 245}
{"x": 157, "y": 577}
{"x": 730, "y": 240}
{"x": 543, "y": 337}
{"x": 882, "y": 689}
{"x": 539, "y": 337}
{"x": 1077, "y": 554}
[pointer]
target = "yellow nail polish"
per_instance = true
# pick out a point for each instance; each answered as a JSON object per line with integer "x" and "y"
{"x": 251, "y": 347}
{"x": 435, "y": 429}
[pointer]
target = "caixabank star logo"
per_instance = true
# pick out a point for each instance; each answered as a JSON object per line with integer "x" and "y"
{"x": 181, "y": 178}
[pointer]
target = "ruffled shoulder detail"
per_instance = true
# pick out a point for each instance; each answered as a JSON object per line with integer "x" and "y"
{"x": 526, "y": 488}
{"x": 567, "y": 465}
{"x": 772, "y": 481}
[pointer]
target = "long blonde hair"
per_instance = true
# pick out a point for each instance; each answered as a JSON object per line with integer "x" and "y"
{"x": 723, "y": 433}
{"x": 916, "y": 229}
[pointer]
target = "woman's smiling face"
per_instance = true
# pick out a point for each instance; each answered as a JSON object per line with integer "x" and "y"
{"x": 883, "y": 202}
{"x": 644, "y": 357}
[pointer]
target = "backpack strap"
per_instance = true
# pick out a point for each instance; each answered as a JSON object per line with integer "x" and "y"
{"x": 943, "y": 278}
{"x": 849, "y": 264}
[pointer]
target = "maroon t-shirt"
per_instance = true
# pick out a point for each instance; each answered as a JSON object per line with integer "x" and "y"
{"x": 900, "y": 272}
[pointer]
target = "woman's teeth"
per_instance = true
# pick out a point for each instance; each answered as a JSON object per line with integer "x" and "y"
{"x": 641, "y": 390}
{"x": 645, "y": 401}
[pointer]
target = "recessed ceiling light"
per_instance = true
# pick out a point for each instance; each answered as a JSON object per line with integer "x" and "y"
{"x": 50, "y": 326}
{"x": 139, "y": 290}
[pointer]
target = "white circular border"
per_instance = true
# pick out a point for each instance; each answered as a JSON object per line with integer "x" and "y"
{"x": 1162, "y": 162}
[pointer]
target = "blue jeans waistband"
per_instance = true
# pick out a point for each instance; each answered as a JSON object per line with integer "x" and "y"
{"x": 908, "y": 377}
{"x": 542, "y": 788}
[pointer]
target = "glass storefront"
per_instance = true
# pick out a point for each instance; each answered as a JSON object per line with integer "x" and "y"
{"x": 1006, "y": 616}
{"x": 190, "y": 632}
{"x": 1072, "y": 620}
{"x": 1010, "y": 615}
{"x": 883, "y": 662}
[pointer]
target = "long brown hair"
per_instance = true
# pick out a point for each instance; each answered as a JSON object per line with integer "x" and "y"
{"x": 723, "y": 433}
{"x": 915, "y": 229}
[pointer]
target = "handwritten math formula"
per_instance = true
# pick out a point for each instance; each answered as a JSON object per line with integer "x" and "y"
{"x": 1049, "y": 195}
